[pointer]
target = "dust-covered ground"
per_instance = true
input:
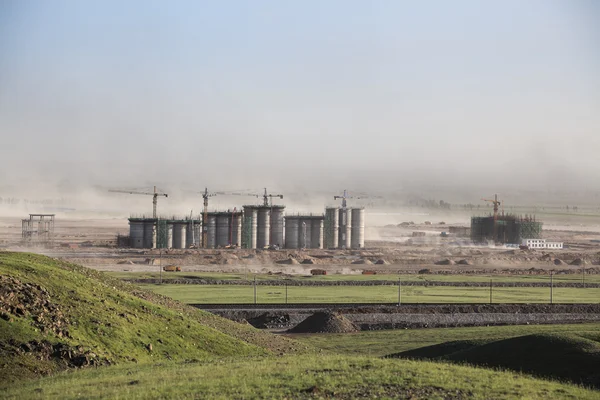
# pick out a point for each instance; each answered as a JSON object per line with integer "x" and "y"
{"x": 390, "y": 248}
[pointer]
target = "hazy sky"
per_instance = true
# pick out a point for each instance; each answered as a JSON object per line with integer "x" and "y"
{"x": 136, "y": 92}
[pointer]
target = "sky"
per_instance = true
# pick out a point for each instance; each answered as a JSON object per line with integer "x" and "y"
{"x": 299, "y": 95}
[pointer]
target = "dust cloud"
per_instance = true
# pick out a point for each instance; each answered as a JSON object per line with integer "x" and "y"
{"x": 298, "y": 99}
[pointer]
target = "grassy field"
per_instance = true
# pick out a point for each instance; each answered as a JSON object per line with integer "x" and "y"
{"x": 574, "y": 278}
{"x": 297, "y": 377}
{"x": 380, "y": 343}
{"x": 195, "y": 354}
{"x": 365, "y": 294}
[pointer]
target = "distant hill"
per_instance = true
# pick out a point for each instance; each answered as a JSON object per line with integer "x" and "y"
{"x": 558, "y": 356}
{"x": 56, "y": 315}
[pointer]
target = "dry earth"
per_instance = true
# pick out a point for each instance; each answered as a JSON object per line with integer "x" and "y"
{"x": 394, "y": 251}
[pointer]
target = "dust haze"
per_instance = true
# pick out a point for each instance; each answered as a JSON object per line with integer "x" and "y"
{"x": 399, "y": 101}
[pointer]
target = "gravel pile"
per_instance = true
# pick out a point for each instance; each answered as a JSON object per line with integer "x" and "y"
{"x": 28, "y": 300}
{"x": 325, "y": 322}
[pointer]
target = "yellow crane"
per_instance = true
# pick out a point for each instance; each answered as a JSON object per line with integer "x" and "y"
{"x": 496, "y": 203}
{"x": 154, "y": 195}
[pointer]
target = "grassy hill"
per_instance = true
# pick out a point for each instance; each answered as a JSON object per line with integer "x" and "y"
{"x": 56, "y": 315}
{"x": 560, "y": 356}
{"x": 293, "y": 377}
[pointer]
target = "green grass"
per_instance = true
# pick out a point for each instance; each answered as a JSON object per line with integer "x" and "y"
{"x": 296, "y": 377}
{"x": 365, "y": 294}
{"x": 560, "y": 356}
{"x": 200, "y": 355}
{"x": 381, "y": 343}
{"x": 116, "y": 321}
{"x": 570, "y": 278}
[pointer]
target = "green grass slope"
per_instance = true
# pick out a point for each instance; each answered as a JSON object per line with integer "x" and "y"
{"x": 440, "y": 349}
{"x": 340, "y": 377}
{"x": 381, "y": 343}
{"x": 55, "y": 315}
{"x": 558, "y": 356}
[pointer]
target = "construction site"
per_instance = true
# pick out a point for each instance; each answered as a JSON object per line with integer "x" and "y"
{"x": 263, "y": 226}
{"x": 500, "y": 228}
{"x": 265, "y": 237}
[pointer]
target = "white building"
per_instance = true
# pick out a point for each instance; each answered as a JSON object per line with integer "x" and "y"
{"x": 542, "y": 244}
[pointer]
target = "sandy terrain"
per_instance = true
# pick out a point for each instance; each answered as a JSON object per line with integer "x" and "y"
{"x": 389, "y": 248}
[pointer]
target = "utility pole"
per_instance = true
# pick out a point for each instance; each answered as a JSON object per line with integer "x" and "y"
{"x": 399, "y": 292}
{"x": 254, "y": 289}
{"x": 551, "y": 287}
{"x": 490, "y": 290}
{"x": 160, "y": 264}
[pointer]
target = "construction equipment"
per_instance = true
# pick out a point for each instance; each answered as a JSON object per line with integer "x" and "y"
{"x": 267, "y": 196}
{"x": 345, "y": 196}
{"x": 172, "y": 268}
{"x": 205, "y": 196}
{"x": 496, "y": 203}
{"x": 154, "y": 195}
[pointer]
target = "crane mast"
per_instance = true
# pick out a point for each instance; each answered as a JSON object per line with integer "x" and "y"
{"x": 344, "y": 196}
{"x": 496, "y": 203}
{"x": 267, "y": 196}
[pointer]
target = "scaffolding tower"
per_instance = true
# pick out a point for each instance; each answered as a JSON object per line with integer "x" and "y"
{"x": 38, "y": 230}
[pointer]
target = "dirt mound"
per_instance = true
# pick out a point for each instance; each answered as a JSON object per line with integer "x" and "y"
{"x": 464, "y": 262}
{"x": 558, "y": 262}
{"x": 381, "y": 262}
{"x": 578, "y": 261}
{"x": 446, "y": 261}
{"x": 288, "y": 261}
{"x": 325, "y": 322}
{"x": 128, "y": 262}
{"x": 308, "y": 261}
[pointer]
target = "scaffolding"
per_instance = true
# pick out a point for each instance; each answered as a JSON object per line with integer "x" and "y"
{"x": 247, "y": 231}
{"x": 505, "y": 229}
{"x": 161, "y": 234}
{"x": 328, "y": 229}
{"x": 38, "y": 230}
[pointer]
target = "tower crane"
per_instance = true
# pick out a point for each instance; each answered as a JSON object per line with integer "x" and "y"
{"x": 345, "y": 196}
{"x": 205, "y": 196}
{"x": 154, "y": 195}
{"x": 267, "y": 196}
{"x": 496, "y": 203}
